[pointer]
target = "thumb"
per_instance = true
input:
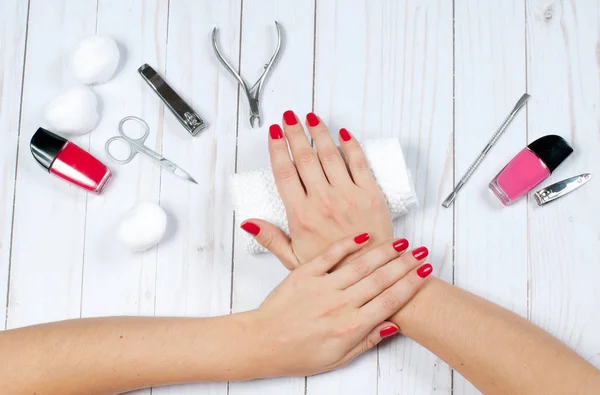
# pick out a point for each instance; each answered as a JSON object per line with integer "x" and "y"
{"x": 273, "y": 239}
{"x": 380, "y": 332}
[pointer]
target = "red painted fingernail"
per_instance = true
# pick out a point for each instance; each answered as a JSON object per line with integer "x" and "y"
{"x": 425, "y": 270}
{"x": 400, "y": 245}
{"x": 345, "y": 134}
{"x": 361, "y": 238}
{"x": 251, "y": 228}
{"x": 388, "y": 331}
{"x": 290, "y": 118}
{"x": 420, "y": 253}
{"x": 312, "y": 119}
{"x": 275, "y": 132}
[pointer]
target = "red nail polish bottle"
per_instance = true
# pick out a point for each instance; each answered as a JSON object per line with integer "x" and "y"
{"x": 69, "y": 162}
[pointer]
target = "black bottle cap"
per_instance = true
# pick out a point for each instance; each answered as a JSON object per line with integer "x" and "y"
{"x": 45, "y": 146}
{"x": 551, "y": 149}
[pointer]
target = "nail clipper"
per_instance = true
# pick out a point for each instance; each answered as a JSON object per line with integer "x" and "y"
{"x": 186, "y": 116}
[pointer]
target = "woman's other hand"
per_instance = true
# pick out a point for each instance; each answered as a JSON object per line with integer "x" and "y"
{"x": 324, "y": 198}
{"x": 316, "y": 321}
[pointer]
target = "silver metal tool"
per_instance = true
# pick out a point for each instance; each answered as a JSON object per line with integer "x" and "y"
{"x": 450, "y": 199}
{"x": 561, "y": 188}
{"x": 186, "y": 116}
{"x": 252, "y": 93}
{"x": 137, "y": 145}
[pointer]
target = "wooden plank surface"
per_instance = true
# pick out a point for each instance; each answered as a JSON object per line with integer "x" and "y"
{"x": 288, "y": 87}
{"x": 195, "y": 264}
{"x": 563, "y": 74}
{"x": 13, "y": 34}
{"x": 489, "y": 79}
{"x": 49, "y": 219}
{"x": 438, "y": 75}
{"x": 385, "y": 69}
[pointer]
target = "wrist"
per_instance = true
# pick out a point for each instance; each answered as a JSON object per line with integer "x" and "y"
{"x": 255, "y": 345}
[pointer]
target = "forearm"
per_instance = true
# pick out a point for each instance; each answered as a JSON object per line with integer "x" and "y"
{"x": 113, "y": 355}
{"x": 495, "y": 349}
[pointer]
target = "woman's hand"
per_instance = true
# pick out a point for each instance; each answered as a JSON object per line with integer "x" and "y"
{"x": 324, "y": 198}
{"x": 316, "y": 321}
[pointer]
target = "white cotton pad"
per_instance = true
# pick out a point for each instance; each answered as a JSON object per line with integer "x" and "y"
{"x": 73, "y": 112}
{"x": 143, "y": 226}
{"x": 255, "y": 195}
{"x": 95, "y": 59}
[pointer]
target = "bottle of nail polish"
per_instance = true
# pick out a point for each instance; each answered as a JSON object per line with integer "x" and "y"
{"x": 69, "y": 162}
{"x": 529, "y": 167}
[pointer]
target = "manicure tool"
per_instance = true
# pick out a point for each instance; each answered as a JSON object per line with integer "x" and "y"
{"x": 450, "y": 199}
{"x": 253, "y": 93}
{"x": 137, "y": 145}
{"x": 561, "y": 188}
{"x": 186, "y": 116}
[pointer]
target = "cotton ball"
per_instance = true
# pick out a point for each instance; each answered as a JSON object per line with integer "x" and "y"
{"x": 143, "y": 226}
{"x": 73, "y": 112}
{"x": 95, "y": 59}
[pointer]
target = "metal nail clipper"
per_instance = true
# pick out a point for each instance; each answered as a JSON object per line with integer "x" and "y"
{"x": 252, "y": 93}
{"x": 561, "y": 188}
{"x": 187, "y": 117}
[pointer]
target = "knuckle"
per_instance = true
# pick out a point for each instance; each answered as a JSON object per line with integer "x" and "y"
{"x": 360, "y": 268}
{"x": 379, "y": 280}
{"x": 303, "y": 222}
{"x": 333, "y": 254}
{"x": 389, "y": 302}
{"x": 285, "y": 172}
{"x": 327, "y": 208}
{"x": 267, "y": 241}
{"x": 368, "y": 343}
{"x": 306, "y": 156}
{"x": 328, "y": 155}
{"x": 359, "y": 165}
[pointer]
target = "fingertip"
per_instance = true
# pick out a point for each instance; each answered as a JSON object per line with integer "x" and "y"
{"x": 290, "y": 118}
{"x": 388, "y": 330}
{"x": 420, "y": 253}
{"x": 312, "y": 119}
{"x": 345, "y": 135}
{"x": 400, "y": 245}
{"x": 362, "y": 238}
{"x": 424, "y": 270}
{"x": 275, "y": 132}
{"x": 250, "y": 227}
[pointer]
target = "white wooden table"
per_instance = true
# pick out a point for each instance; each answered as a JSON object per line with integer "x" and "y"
{"x": 439, "y": 75}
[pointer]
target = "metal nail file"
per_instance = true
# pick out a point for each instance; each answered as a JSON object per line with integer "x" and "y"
{"x": 186, "y": 116}
{"x": 499, "y": 132}
{"x": 561, "y": 188}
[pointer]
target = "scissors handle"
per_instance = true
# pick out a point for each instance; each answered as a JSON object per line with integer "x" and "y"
{"x": 132, "y": 151}
{"x": 135, "y": 144}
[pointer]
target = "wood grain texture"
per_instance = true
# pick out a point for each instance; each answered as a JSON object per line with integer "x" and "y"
{"x": 195, "y": 265}
{"x": 385, "y": 69}
{"x": 141, "y": 31}
{"x": 13, "y": 33}
{"x": 438, "y": 75}
{"x": 489, "y": 79}
{"x": 564, "y": 239}
{"x": 49, "y": 219}
{"x": 289, "y": 87}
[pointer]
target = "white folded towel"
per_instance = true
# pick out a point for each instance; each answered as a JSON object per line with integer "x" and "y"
{"x": 254, "y": 194}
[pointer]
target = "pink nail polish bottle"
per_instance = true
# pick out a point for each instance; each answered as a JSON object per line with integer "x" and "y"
{"x": 529, "y": 167}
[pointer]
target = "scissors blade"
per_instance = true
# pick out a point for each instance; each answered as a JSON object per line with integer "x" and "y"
{"x": 183, "y": 174}
{"x": 178, "y": 171}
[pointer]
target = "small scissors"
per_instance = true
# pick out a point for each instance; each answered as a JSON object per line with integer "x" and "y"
{"x": 137, "y": 145}
{"x": 253, "y": 93}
